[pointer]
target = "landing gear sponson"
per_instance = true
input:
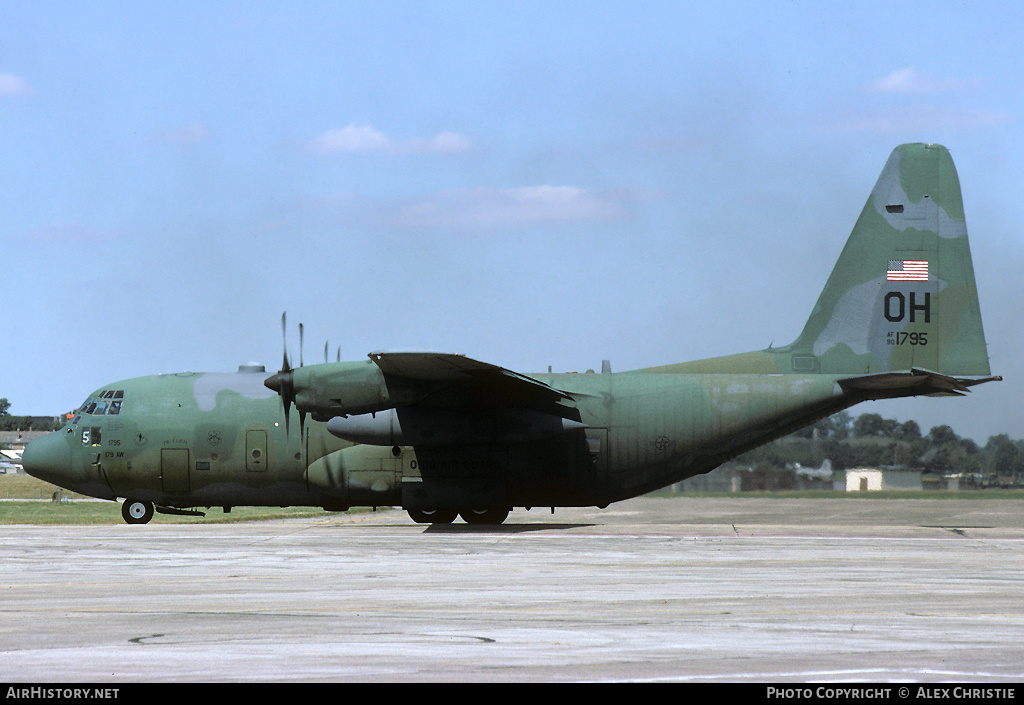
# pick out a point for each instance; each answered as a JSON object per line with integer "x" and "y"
{"x": 492, "y": 515}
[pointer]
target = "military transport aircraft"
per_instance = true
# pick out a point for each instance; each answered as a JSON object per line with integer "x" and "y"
{"x": 443, "y": 435}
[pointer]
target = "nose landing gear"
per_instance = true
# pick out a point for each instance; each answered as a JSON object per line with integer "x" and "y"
{"x": 136, "y": 511}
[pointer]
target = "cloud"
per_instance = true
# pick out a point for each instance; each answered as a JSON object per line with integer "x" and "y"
{"x": 476, "y": 208}
{"x": 11, "y": 85}
{"x": 921, "y": 118}
{"x": 910, "y": 80}
{"x": 363, "y": 138}
{"x": 529, "y": 205}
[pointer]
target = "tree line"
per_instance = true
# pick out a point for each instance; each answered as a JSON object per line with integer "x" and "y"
{"x": 869, "y": 440}
{"x": 24, "y": 423}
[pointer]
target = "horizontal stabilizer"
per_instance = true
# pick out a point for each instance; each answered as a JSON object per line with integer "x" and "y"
{"x": 886, "y": 385}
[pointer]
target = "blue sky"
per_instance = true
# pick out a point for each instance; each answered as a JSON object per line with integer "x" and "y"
{"x": 528, "y": 183}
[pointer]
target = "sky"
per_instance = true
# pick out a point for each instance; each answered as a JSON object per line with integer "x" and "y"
{"x": 532, "y": 184}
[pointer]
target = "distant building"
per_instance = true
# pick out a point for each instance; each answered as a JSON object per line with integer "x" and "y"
{"x": 726, "y": 478}
{"x": 18, "y": 439}
{"x": 10, "y": 460}
{"x": 875, "y": 479}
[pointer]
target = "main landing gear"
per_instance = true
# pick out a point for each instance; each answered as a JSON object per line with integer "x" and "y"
{"x": 490, "y": 516}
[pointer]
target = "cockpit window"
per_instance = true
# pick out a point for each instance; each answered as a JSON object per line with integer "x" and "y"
{"x": 106, "y": 403}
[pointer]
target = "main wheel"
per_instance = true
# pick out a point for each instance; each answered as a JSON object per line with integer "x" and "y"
{"x": 492, "y": 515}
{"x": 136, "y": 511}
{"x": 433, "y": 516}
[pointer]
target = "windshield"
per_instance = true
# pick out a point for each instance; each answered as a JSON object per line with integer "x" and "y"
{"x": 107, "y": 402}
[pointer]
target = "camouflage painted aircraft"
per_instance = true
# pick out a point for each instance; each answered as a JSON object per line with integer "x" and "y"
{"x": 443, "y": 435}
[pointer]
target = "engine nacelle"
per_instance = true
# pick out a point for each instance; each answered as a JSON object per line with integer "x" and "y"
{"x": 338, "y": 388}
{"x": 426, "y": 426}
{"x": 359, "y": 475}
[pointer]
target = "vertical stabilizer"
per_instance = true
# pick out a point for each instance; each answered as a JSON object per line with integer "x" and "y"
{"x": 902, "y": 294}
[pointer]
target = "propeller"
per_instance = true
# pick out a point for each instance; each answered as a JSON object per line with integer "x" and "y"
{"x": 283, "y": 382}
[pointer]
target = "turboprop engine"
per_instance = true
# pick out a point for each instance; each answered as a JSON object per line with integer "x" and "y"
{"x": 338, "y": 389}
{"x": 425, "y": 426}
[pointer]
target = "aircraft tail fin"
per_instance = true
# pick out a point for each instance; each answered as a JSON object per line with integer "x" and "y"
{"x": 902, "y": 295}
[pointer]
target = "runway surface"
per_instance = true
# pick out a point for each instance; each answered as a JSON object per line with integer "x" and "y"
{"x": 690, "y": 589}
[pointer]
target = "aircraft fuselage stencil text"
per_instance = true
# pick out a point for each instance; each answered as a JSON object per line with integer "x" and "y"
{"x": 897, "y": 307}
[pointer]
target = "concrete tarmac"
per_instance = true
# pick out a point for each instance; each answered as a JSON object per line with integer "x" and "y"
{"x": 684, "y": 590}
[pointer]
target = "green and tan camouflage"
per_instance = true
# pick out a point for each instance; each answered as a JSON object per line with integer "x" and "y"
{"x": 901, "y": 296}
{"x": 444, "y": 435}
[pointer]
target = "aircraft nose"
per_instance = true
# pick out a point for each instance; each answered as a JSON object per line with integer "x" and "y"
{"x": 48, "y": 458}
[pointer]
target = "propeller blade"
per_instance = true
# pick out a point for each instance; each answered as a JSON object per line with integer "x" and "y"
{"x": 284, "y": 339}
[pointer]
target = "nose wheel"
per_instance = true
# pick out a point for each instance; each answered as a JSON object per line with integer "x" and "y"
{"x": 136, "y": 511}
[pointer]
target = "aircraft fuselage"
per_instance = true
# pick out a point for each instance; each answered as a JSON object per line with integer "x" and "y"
{"x": 204, "y": 440}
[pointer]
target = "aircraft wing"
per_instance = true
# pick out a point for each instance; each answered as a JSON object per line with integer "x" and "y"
{"x": 914, "y": 382}
{"x": 441, "y": 399}
{"x": 456, "y": 380}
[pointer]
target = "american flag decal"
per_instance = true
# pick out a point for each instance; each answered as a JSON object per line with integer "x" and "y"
{"x": 907, "y": 270}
